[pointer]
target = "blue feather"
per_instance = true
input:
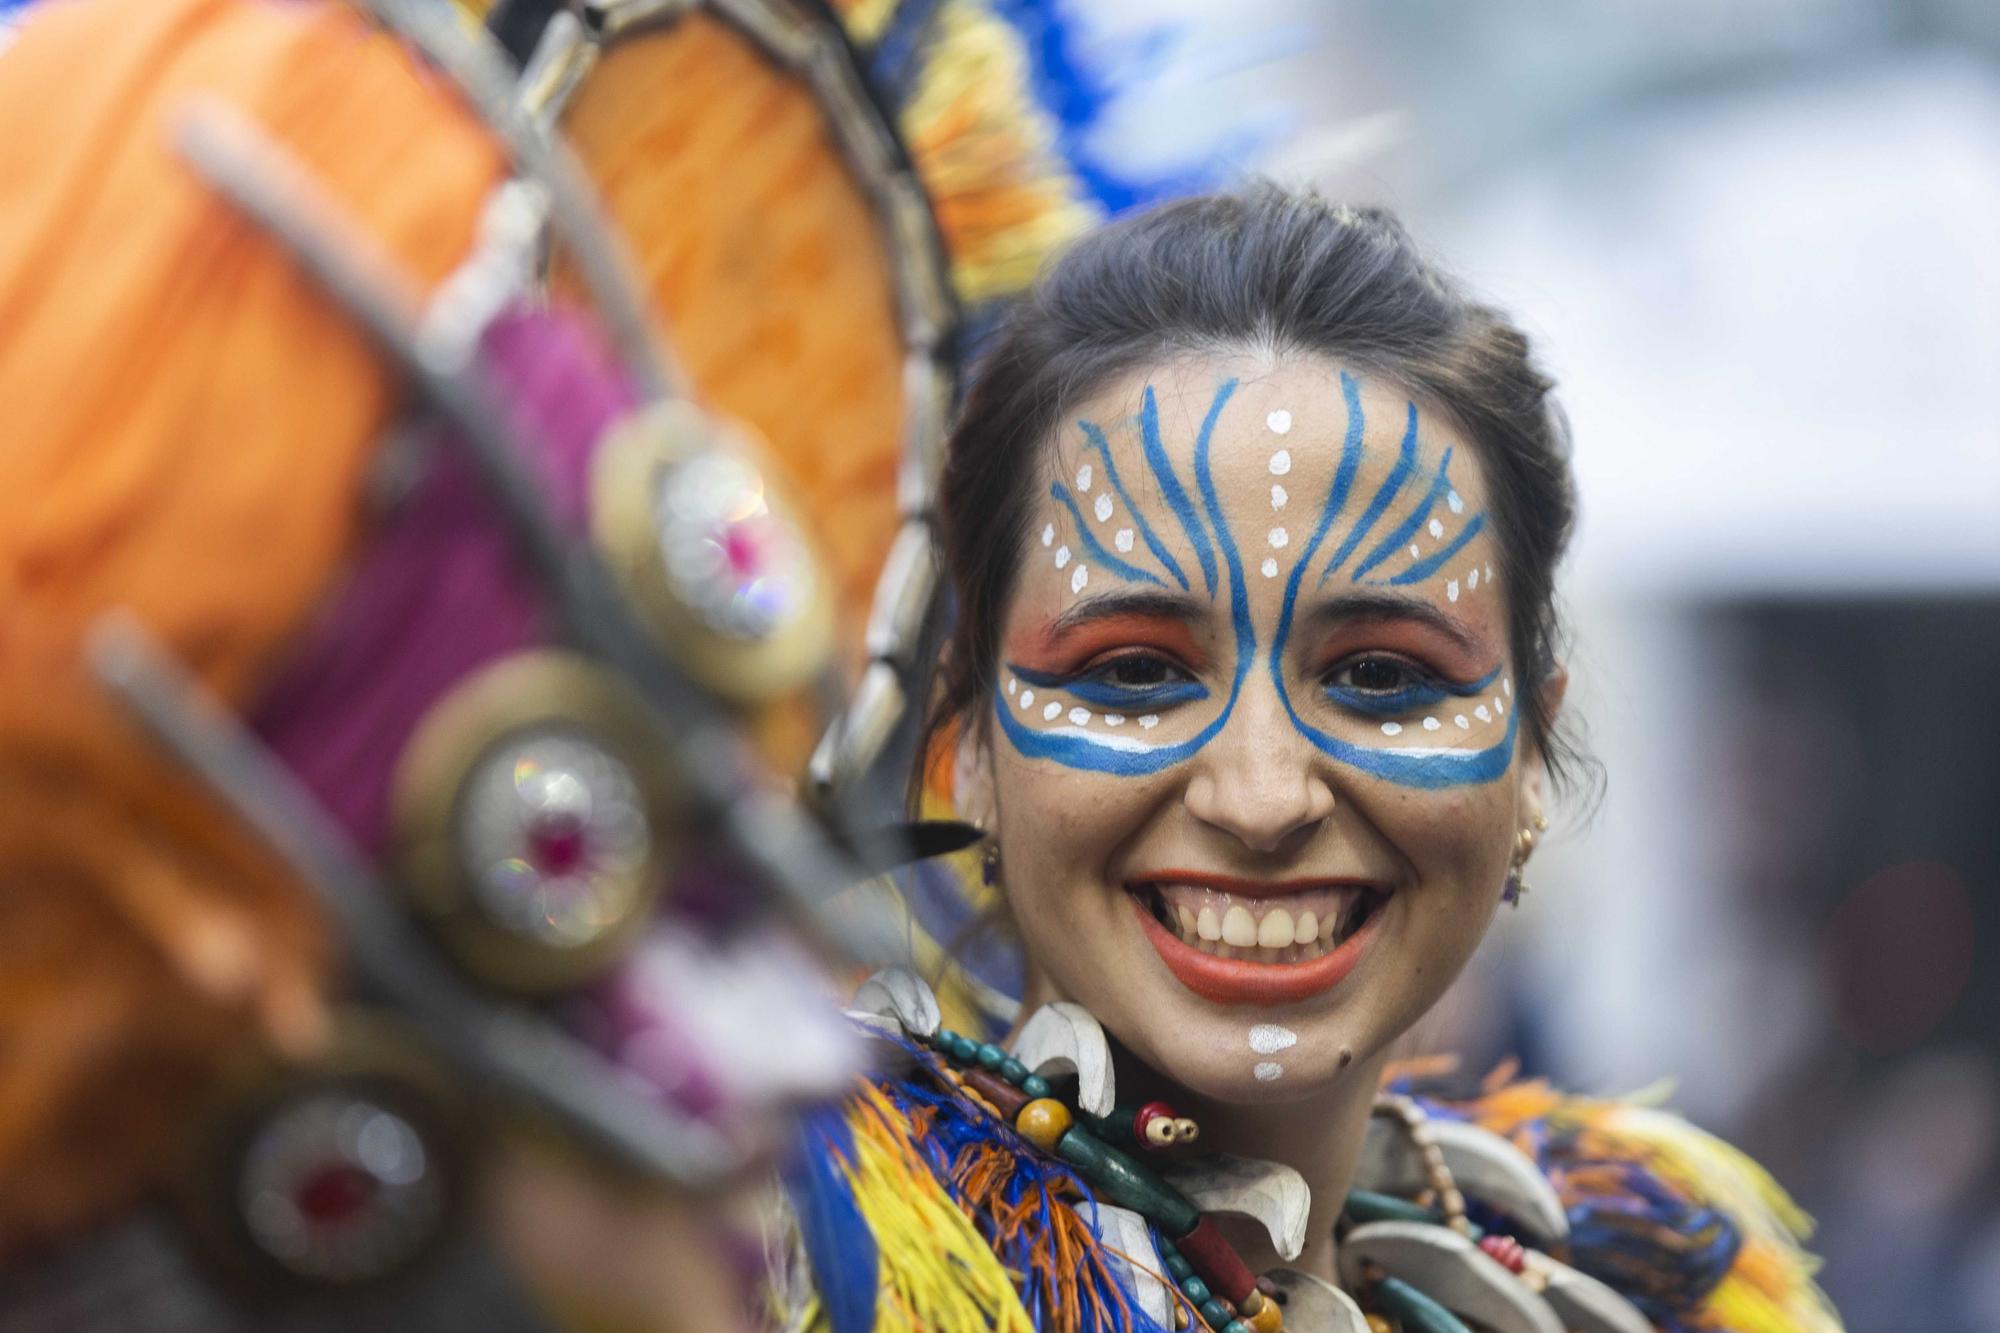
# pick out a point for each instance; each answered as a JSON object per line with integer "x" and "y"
{"x": 838, "y": 1242}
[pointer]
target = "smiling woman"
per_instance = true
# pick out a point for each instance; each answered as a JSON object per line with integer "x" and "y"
{"x": 1252, "y": 520}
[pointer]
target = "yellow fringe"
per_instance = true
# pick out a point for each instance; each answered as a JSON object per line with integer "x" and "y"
{"x": 938, "y": 1273}
{"x": 1005, "y": 197}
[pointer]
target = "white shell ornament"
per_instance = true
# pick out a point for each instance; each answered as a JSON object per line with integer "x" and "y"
{"x": 1123, "y": 1232}
{"x": 1452, "y": 1271}
{"x": 1062, "y": 1038}
{"x": 1314, "y": 1304}
{"x": 1486, "y": 1167}
{"x": 899, "y": 995}
{"x": 1584, "y": 1304}
{"x": 1268, "y": 1192}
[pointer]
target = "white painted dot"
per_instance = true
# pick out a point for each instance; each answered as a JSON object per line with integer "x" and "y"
{"x": 1460, "y": 722}
{"x": 1507, "y": 686}
{"x": 1083, "y": 475}
{"x": 1414, "y": 552}
{"x": 1027, "y": 700}
{"x": 1499, "y": 704}
{"x": 1269, "y": 569}
{"x": 1048, "y": 534}
{"x": 1278, "y": 496}
{"x": 1270, "y": 1038}
{"x": 1489, "y": 573}
{"x": 1281, "y": 463}
{"x": 1432, "y": 724}
{"x": 1114, "y": 719}
{"x": 1392, "y": 728}
{"x": 1079, "y": 578}
{"x": 1436, "y": 529}
{"x": 1013, "y": 686}
{"x": 1279, "y": 421}
{"x": 1102, "y": 508}
{"x": 1472, "y": 579}
{"x": 1052, "y": 712}
{"x": 1122, "y": 539}
{"x": 1481, "y": 713}
{"x": 1149, "y": 721}
{"x": 1278, "y": 537}
{"x": 1080, "y": 716}
{"x": 1062, "y": 556}
{"x": 1267, "y": 1070}
{"x": 1451, "y": 590}
{"x": 1452, "y": 501}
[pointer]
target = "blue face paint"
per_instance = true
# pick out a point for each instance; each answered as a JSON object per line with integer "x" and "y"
{"x": 1208, "y": 531}
{"x": 1098, "y": 555}
{"x": 1146, "y": 534}
{"x": 1096, "y": 687}
{"x": 1170, "y": 486}
{"x": 1385, "y": 494}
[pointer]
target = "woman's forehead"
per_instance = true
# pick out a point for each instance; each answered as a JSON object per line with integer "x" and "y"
{"x": 1305, "y": 479}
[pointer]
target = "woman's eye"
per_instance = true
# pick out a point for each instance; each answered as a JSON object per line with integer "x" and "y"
{"x": 1137, "y": 672}
{"x": 1374, "y": 675}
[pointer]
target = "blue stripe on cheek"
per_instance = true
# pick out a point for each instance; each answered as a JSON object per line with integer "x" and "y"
{"x": 1093, "y": 756}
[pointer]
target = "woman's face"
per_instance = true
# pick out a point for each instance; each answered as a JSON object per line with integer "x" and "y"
{"x": 1255, "y": 757}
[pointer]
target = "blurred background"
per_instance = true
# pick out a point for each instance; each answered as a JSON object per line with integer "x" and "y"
{"x": 1758, "y": 243}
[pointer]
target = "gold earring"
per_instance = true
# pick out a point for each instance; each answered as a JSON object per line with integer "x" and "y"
{"x": 1515, "y": 887}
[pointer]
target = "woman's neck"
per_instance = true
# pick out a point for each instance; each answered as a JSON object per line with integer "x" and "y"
{"x": 1318, "y": 1136}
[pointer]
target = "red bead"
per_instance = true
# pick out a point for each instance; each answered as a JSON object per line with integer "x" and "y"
{"x": 1217, "y": 1262}
{"x": 333, "y": 1193}
{"x": 1144, "y": 1117}
{"x": 1506, "y": 1250}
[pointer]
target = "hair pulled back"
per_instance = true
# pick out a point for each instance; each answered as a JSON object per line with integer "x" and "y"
{"x": 1271, "y": 270}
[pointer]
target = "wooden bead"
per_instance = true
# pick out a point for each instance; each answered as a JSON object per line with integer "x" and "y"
{"x": 1215, "y": 1259}
{"x": 1043, "y": 1122}
{"x": 1006, "y": 1098}
{"x": 1377, "y": 1324}
{"x": 1269, "y": 1319}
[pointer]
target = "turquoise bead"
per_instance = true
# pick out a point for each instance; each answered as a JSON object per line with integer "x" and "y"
{"x": 1237, "y": 1326}
{"x": 1195, "y": 1289}
{"x": 1213, "y": 1311}
{"x": 944, "y": 1039}
{"x": 991, "y": 1057}
{"x": 1014, "y": 1071}
{"x": 1036, "y": 1086}
{"x": 1179, "y": 1267}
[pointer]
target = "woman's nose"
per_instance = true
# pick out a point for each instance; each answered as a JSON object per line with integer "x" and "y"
{"x": 1258, "y": 780}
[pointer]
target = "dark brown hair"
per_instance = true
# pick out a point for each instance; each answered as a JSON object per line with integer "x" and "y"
{"x": 1271, "y": 269}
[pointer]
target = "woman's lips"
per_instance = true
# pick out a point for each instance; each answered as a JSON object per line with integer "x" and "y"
{"x": 1242, "y": 981}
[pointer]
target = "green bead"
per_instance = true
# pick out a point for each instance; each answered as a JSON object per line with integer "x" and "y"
{"x": 1416, "y": 1312}
{"x": 1195, "y": 1289}
{"x": 966, "y": 1050}
{"x": 1367, "y": 1206}
{"x": 1013, "y": 1071}
{"x": 1036, "y": 1086}
{"x": 1179, "y": 1267}
{"x": 1237, "y": 1326}
{"x": 1215, "y": 1313}
{"x": 990, "y": 1056}
{"x": 945, "y": 1039}
{"x": 1126, "y": 1183}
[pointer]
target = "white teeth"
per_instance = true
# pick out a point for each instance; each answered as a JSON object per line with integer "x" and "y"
{"x": 1238, "y": 927}
{"x": 1275, "y": 930}
{"x": 1306, "y": 929}
{"x": 1187, "y": 921}
{"x": 1208, "y": 925}
{"x": 1256, "y": 928}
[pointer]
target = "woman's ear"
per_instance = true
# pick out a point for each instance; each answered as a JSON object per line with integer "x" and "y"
{"x": 1535, "y": 770}
{"x": 972, "y": 778}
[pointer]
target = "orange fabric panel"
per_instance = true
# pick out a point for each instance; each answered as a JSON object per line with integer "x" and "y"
{"x": 764, "y": 267}
{"x": 187, "y": 427}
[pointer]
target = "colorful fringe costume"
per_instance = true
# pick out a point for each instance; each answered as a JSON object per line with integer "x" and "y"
{"x": 926, "y": 1197}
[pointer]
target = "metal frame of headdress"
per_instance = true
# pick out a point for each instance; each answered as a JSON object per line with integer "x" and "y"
{"x": 805, "y": 41}
{"x": 436, "y": 346}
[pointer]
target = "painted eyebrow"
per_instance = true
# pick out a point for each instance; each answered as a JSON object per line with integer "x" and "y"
{"x": 1375, "y": 606}
{"x": 1112, "y": 605}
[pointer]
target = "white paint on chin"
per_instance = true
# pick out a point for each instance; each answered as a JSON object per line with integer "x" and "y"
{"x": 1267, "y": 1070}
{"x": 1270, "y": 1038}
